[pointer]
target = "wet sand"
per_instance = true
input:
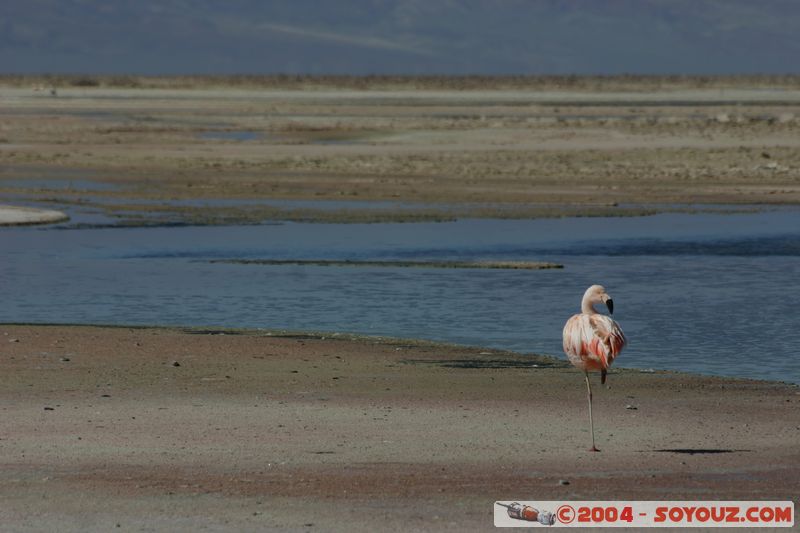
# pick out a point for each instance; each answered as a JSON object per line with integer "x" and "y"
{"x": 170, "y": 430}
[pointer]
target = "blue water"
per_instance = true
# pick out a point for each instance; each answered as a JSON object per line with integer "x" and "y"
{"x": 238, "y": 135}
{"x": 708, "y": 293}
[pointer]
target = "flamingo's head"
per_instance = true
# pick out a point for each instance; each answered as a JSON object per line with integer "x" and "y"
{"x": 596, "y": 294}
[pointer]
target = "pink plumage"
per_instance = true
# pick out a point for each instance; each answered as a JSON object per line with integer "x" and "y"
{"x": 592, "y": 341}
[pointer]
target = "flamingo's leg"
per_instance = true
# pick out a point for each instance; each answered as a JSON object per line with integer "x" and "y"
{"x": 591, "y": 421}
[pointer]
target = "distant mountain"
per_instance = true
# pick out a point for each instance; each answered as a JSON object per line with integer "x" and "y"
{"x": 400, "y": 37}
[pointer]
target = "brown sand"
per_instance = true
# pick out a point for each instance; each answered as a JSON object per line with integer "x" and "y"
{"x": 251, "y": 431}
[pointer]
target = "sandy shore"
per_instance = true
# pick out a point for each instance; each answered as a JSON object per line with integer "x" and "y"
{"x": 11, "y": 215}
{"x": 166, "y": 430}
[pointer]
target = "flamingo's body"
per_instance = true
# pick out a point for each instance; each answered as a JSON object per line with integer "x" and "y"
{"x": 592, "y": 341}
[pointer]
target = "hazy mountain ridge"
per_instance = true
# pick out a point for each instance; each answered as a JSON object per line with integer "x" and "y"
{"x": 414, "y": 36}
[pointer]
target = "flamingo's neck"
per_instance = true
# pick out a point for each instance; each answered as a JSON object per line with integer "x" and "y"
{"x": 586, "y": 307}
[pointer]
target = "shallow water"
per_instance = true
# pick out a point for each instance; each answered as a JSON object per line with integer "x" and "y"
{"x": 710, "y": 293}
{"x": 59, "y": 184}
{"x": 237, "y": 135}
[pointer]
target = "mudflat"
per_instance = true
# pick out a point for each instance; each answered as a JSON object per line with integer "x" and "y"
{"x": 488, "y": 150}
{"x": 178, "y": 430}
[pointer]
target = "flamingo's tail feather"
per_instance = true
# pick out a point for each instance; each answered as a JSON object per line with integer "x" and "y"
{"x": 603, "y": 373}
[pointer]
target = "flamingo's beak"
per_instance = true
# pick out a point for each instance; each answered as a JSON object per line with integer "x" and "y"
{"x": 610, "y": 305}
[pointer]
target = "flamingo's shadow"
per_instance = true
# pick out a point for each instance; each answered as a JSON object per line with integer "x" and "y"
{"x": 694, "y": 451}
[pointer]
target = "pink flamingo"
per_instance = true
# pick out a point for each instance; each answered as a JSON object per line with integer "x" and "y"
{"x": 592, "y": 341}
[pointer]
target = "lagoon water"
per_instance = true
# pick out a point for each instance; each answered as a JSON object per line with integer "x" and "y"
{"x": 708, "y": 293}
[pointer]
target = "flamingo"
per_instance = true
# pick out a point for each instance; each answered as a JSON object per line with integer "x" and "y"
{"x": 592, "y": 341}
